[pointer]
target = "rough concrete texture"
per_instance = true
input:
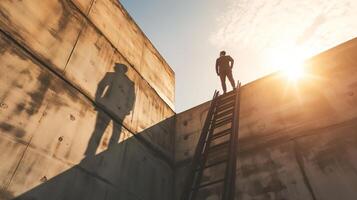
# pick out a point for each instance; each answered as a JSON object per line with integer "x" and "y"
{"x": 45, "y": 134}
{"x": 51, "y": 29}
{"x": 82, "y": 115}
{"x": 86, "y": 112}
{"x": 188, "y": 128}
{"x": 296, "y": 141}
{"x": 119, "y": 28}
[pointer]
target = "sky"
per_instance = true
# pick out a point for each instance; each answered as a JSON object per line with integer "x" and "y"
{"x": 262, "y": 36}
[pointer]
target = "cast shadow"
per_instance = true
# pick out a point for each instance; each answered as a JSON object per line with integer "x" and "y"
{"x": 138, "y": 168}
{"x": 117, "y": 91}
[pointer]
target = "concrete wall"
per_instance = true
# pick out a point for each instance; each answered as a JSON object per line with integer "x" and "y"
{"x": 79, "y": 79}
{"x": 86, "y": 112}
{"x": 296, "y": 141}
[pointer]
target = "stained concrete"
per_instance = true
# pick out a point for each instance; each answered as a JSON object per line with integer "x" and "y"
{"x": 93, "y": 59}
{"x": 86, "y": 112}
{"x": 296, "y": 141}
{"x": 77, "y": 111}
{"x": 50, "y": 30}
{"x": 118, "y": 27}
{"x": 122, "y": 172}
{"x": 45, "y": 133}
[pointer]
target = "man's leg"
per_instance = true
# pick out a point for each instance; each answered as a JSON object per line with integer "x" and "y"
{"x": 222, "y": 75}
{"x": 99, "y": 129}
{"x": 231, "y": 79}
{"x": 115, "y": 133}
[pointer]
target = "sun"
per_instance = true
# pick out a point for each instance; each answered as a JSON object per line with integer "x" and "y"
{"x": 289, "y": 63}
{"x": 294, "y": 72}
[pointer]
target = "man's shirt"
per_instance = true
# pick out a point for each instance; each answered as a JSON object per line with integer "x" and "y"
{"x": 223, "y": 63}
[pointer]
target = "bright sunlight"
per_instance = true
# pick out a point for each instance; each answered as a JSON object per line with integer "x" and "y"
{"x": 290, "y": 62}
{"x": 294, "y": 72}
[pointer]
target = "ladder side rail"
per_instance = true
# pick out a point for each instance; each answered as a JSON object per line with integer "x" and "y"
{"x": 229, "y": 185}
{"x": 203, "y": 162}
{"x": 198, "y": 152}
{"x": 204, "y": 156}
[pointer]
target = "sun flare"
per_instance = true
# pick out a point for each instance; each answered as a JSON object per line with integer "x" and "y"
{"x": 293, "y": 73}
{"x": 290, "y": 63}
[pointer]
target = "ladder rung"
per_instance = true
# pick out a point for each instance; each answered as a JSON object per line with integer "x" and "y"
{"x": 210, "y": 183}
{"x": 224, "y": 98}
{"x": 224, "y": 101}
{"x": 214, "y": 149}
{"x": 225, "y": 105}
{"x": 228, "y": 94}
{"x": 221, "y": 108}
{"x": 224, "y": 113}
{"x": 222, "y": 123}
{"x": 217, "y": 146}
{"x": 213, "y": 164}
{"x": 217, "y": 121}
{"x": 221, "y": 134}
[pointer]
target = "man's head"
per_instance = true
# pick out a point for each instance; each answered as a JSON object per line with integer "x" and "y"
{"x": 222, "y": 53}
{"x": 120, "y": 68}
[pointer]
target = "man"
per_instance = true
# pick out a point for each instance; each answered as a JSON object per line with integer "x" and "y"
{"x": 224, "y": 65}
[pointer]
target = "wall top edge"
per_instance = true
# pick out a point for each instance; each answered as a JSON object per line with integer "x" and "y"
{"x": 145, "y": 37}
{"x": 328, "y": 52}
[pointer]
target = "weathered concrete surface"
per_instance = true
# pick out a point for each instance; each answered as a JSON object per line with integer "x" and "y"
{"x": 84, "y": 5}
{"x": 114, "y": 22}
{"x": 188, "y": 127}
{"x": 329, "y": 161}
{"x": 45, "y": 131}
{"x": 75, "y": 112}
{"x": 295, "y": 141}
{"x": 87, "y": 57}
{"x": 272, "y": 173}
{"x": 86, "y": 113}
{"x": 122, "y": 172}
{"x": 111, "y": 18}
{"x": 94, "y": 58}
{"x": 50, "y": 30}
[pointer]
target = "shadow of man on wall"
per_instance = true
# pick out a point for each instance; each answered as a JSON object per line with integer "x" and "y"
{"x": 116, "y": 93}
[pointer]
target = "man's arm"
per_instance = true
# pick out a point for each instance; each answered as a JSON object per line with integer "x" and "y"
{"x": 217, "y": 67}
{"x": 232, "y": 61}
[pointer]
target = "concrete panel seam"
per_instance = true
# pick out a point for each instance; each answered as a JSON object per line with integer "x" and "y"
{"x": 74, "y": 46}
{"x": 117, "y": 51}
{"x": 145, "y": 36}
{"x": 95, "y": 175}
{"x": 90, "y": 7}
{"x": 79, "y": 34}
{"x": 25, "y": 150}
{"x": 301, "y": 134}
{"x": 161, "y": 155}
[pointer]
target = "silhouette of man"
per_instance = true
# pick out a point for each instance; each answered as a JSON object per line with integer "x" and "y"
{"x": 116, "y": 92}
{"x": 224, "y": 65}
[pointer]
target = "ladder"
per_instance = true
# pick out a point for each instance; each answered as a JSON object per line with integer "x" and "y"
{"x": 214, "y": 163}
